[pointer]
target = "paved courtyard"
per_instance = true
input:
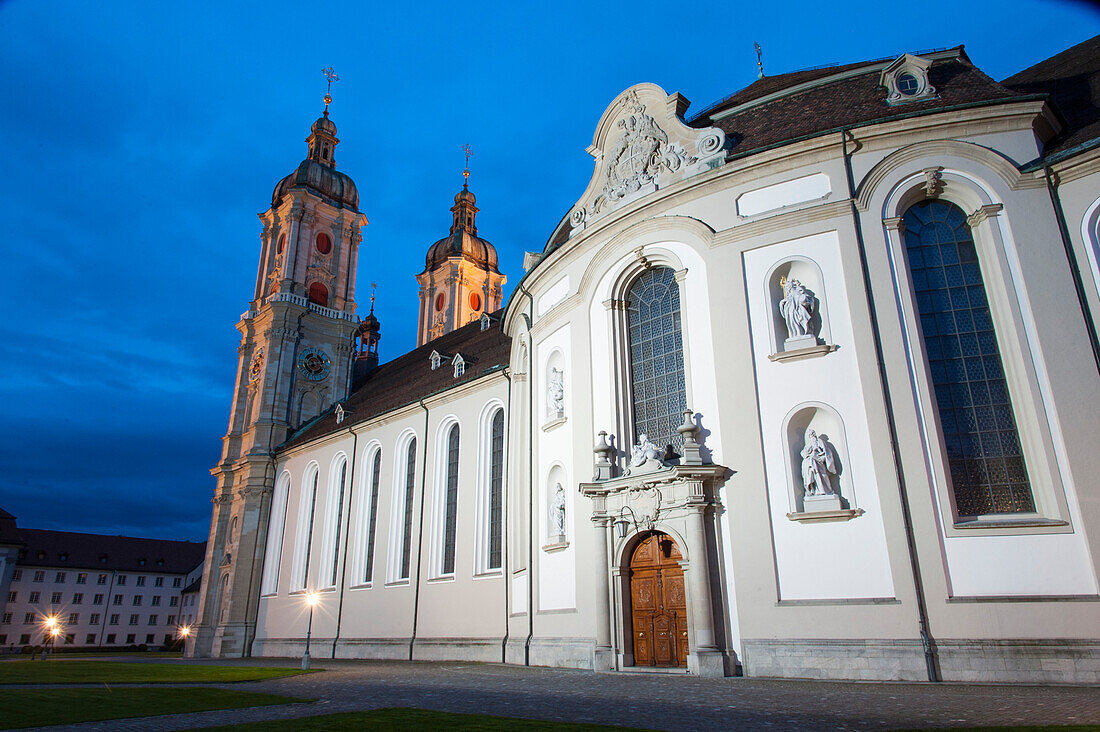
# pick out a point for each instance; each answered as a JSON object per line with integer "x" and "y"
{"x": 654, "y": 701}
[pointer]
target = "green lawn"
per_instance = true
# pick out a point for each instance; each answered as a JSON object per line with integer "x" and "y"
{"x": 399, "y": 720}
{"x": 1030, "y": 728}
{"x": 39, "y": 707}
{"x": 61, "y": 671}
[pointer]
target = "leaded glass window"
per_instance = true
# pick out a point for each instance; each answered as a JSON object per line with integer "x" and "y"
{"x": 984, "y": 458}
{"x": 339, "y": 519}
{"x": 309, "y": 531}
{"x": 657, "y": 357}
{"x": 496, "y": 488}
{"x": 450, "y": 513}
{"x": 375, "y": 471}
{"x": 410, "y": 477}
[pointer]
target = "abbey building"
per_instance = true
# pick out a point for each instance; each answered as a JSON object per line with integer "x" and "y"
{"x": 804, "y": 385}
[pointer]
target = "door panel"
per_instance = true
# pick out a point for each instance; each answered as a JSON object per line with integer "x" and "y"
{"x": 658, "y": 604}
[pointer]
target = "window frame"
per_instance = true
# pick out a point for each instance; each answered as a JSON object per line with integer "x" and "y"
{"x": 483, "y": 566}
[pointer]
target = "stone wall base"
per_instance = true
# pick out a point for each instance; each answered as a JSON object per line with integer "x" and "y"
{"x": 1023, "y": 661}
{"x": 873, "y": 660}
{"x": 392, "y": 649}
{"x": 563, "y": 652}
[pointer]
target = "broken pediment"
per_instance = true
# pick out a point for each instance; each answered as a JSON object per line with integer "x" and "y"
{"x": 642, "y": 145}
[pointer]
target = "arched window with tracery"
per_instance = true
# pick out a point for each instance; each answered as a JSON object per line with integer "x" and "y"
{"x": 450, "y": 502}
{"x": 372, "y": 518}
{"x": 655, "y": 336}
{"x": 410, "y": 481}
{"x": 496, "y": 489}
{"x": 984, "y": 457}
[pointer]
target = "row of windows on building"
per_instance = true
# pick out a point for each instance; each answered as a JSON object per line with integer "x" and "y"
{"x": 444, "y": 507}
{"x": 90, "y": 639}
{"x": 101, "y": 578}
{"x": 97, "y": 599}
{"x": 32, "y": 618}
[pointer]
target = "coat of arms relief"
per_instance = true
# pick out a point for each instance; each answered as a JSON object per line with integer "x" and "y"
{"x": 639, "y": 155}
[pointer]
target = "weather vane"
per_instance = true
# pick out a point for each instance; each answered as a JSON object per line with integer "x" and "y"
{"x": 330, "y": 74}
{"x": 759, "y": 60}
{"x": 372, "y": 286}
{"x": 466, "y": 173}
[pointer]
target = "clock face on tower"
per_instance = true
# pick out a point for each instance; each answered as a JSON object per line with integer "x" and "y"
{"x": 313, "y": 364}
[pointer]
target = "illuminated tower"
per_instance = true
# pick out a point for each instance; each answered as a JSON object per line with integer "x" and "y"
{"x": 294, "y": 361}
{"x": 461, "y": 279}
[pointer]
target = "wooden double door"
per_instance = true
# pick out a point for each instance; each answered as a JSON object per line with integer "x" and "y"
{"x": 657, "y": 603}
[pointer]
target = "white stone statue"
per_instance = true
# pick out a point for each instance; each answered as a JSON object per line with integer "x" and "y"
{"x": 557, "y": 511}
{"x": 555, "y": 392}
{"x": 797, "y": 308}
{"x": 818, "y": 464}
{"x": 643, "y": 451}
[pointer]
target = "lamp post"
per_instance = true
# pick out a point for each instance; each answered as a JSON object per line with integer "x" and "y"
{"x": 183, "y": 632}
{"x": 52, "y": 631}
{"x": 311, "y": 600}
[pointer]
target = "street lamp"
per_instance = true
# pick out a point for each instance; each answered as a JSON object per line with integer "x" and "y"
{"x": 53, "y": 629}
{"x": 182, "y": 633}
{"x": 311, "y": 600}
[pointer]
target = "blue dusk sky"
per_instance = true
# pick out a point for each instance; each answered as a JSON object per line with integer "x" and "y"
{"x": 140, "y": 140}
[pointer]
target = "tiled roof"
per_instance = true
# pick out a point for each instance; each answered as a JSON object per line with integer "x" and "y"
{"x": 1072, "y": 79}
{"x": 849, "y": 102}
{"x": 61, "y": 549}
{"x": 409, "y": 377}
{"x": 9, "y": 534}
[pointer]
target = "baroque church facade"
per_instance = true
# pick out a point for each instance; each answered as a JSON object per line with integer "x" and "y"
{"x": 803, "y": 385}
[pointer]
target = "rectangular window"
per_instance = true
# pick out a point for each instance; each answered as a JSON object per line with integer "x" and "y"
{"x": 150, "y": 638}
{"x": 28, "y": 618}
{"x": 60, "y": 577}
{"x": 176, "y": 582}
{"x": 7, "y": 618}
{"x": 17, "y": 575}
{"x": 130, "y": 639}
{"x": 101, "y": 580}
{"x": 34, "y": 597}
{"x": 141, "y": 581}
{"x": 81, "y": 578}
{"x": 3, "y": 639}
{"x": 69, "y": 638}
{"x": 114, "y": 619}
{"x": 39, "y": 576}
{"x": 410, "y": 479}
{"x": 78, "y": 598}
{"x": 137, "y": 600}
{"x": 24, "y": 639}
{"x": 55, "y": 598}
{"x": 167, "y": 639}
{"x": 173, "y": 601}
{"x": 89, "y": 639}
{"x": 110, "y": 639}
{"x": 134, "y": 619}
{"x": 98, "y": 599}
{"x": 171, "y": 620}
{"x": 152, "y": 620}
{"x": 122, "y": 580}
{"x": 95, "y": 619}
{"x": 74, "y": 618}
{"x": 12, "y": 595}
{"x": 118, "y": 599}
{"x": 158, "y": 582}
{"x": 156, "y": 600}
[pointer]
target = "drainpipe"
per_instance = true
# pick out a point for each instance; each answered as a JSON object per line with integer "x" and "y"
{"x": 504, "y": 512}
{"x": 420, "y": 532}
{"x": 347, "y": 536}
{"x": 931, "y": 659}
{"x": 1071, "y": 257}
{"x": 531, "y": 475}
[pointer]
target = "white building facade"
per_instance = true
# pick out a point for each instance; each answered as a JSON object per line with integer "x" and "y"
{"x": 803, "y": 386}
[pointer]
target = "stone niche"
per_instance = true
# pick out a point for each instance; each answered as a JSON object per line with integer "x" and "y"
{"x": 554, "y": 391}
{"x": 817, "y": 339}
{"x": 826, "y": 424}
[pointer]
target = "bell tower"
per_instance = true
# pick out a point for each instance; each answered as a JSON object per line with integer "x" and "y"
{"x": 461, "y": 278}
{"x": 295, "y": 360}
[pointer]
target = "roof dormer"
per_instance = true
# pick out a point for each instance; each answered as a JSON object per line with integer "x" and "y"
{"x": 460, "y": 365}
{"x": 438, "y": 359}
{"x": 906, "y": 80}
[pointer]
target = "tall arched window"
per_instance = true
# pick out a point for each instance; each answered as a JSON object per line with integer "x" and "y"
{"x": 306, "y": 510}
{"x": 372, "y": 519}
{"x": 450, "y": 505}
{"x": 276, "y": 524}
{"x": 410, "y": 479}
{"x": 333, "y": 519}
{"x": 656, "y": 357}
{"x": 496, "y": 488}
{"x": 984, "y": 459}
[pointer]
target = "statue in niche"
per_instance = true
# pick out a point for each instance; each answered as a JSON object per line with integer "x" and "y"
{"x": 557, "y": 512}
{"x": 555, "y": 393}
{"x": 643, "y": 452}
{"x": 796, "y": 307}
{"x": 818, "y": 463}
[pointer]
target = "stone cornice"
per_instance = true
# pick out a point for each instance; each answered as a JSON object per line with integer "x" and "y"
{"x": 676, "y": 474}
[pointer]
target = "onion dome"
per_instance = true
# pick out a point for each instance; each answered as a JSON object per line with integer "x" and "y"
{"x": 318, "y": 171}
{"x": 463, "y": 240}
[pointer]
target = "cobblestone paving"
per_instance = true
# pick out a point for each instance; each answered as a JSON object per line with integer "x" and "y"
{"x": 642, "y": 700}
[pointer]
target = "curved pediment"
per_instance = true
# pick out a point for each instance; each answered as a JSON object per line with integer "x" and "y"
{"x": 641, "y": 144}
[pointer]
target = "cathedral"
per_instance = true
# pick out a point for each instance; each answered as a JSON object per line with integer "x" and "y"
{"x": 803, "y": 385}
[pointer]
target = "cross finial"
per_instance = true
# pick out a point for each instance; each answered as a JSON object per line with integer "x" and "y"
{"x": 469, "y": 151}
{"x": 330, "y": 74}
{"x": 759, "y": 60}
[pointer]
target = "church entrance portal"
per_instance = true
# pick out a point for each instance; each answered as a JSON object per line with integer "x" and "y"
{"x": 658, "y": 606}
